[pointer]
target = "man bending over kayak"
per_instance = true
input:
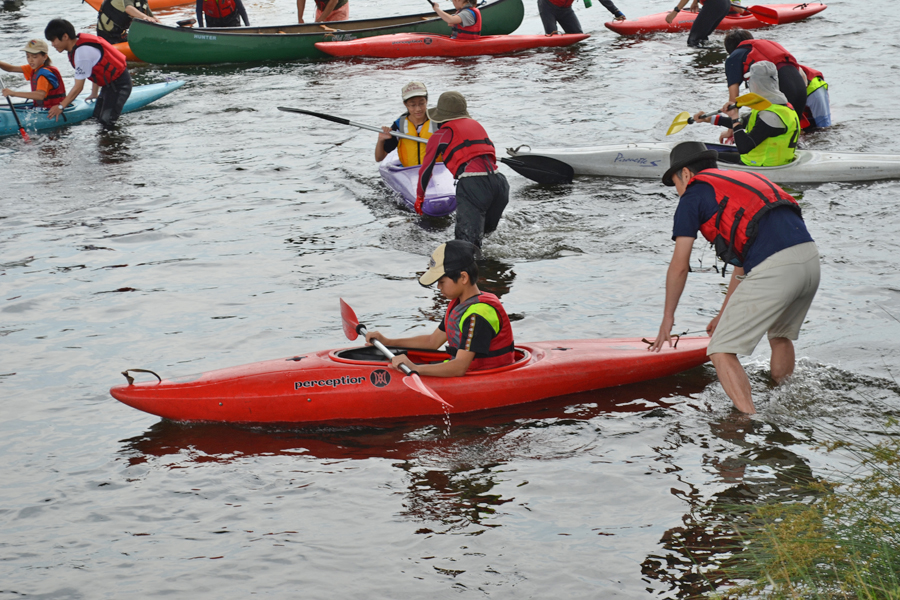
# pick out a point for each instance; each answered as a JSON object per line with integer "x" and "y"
{"x": 475, "y": 328}
{"x": 768, "y": 138}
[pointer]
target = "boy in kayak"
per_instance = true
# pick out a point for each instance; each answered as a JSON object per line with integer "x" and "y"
{"x": 767, "y": 138}
{"x": 47, "y": 87}
{"x": 560, "y": 11}
{"x": 115, "y": 16}
{"x": 481, "y": 192}
{"x": 711, "y": 14}
{"x": 466, "y": 23}
{"x": 96, "y": 59}
{"x": 326, "y": 10}
{"x": 475, "y": 328}
{"x": 221, "y": 13}
{"x": 413, "y": 122}
{"x": 757, "y": 227}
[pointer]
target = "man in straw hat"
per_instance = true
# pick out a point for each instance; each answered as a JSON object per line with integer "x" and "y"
{"x": 481, "y": 193}
{"x": 755, "y": 226}
{"x": 475, "y": 328}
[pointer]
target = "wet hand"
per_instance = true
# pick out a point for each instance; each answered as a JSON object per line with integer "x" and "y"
{"x": 55, "y": 111}
{"x": 671, "y": 16}
{"x": 6, "y": 92}
{"x": 726, "y": 137}
{"x": 664, "y": 336}
{"x": 619, "y": 18}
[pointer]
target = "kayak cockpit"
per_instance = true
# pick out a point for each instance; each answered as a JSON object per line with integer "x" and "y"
{"x": 371, "y": 355}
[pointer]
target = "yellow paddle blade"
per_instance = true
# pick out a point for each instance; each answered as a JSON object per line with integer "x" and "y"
{"x": 679, "y": 123}
{"x": 754, "y": 101}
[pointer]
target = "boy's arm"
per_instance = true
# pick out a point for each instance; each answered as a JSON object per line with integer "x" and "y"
{"x": 456, "y": 367}
{"x": 55, "y": 111}
{"x": 431, "y": 341}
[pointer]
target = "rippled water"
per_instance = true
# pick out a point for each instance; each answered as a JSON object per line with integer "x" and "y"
{"x": 212, "y": 230}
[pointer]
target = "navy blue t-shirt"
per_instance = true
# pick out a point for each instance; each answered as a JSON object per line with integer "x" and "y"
{"x": 779, "y": 229}
{"x": 734, "y": 65}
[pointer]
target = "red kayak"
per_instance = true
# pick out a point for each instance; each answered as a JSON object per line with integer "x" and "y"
{"x": 783, "y": 13}
{"x": 405, "y": 45}
{"x": 357, "y": 383}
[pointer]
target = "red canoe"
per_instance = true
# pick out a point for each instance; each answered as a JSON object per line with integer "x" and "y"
{"x": 785, "y": 13}
{"x": 356, "y": 383}
{"x": 406, "y": 45}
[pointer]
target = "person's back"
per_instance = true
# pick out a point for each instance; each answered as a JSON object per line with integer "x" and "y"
{"x": 114, "y": 18}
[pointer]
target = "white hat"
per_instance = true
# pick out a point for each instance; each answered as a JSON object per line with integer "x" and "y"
{"x": 413, "y": 89}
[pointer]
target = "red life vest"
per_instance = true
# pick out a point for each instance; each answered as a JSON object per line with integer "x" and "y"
{"x": 773, "y": 52}
{"x": 743, "y": 199}
{"x": 472, "y": 32}
{"x": 470, "y": 140}
{"x": 56, "y": 94}
{"x": 219, "y": 9}
{"x": 111, "y": 64}
{"x": 502, "y": 348}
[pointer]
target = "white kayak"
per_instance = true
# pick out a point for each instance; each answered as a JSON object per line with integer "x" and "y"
{"x": 650, "y": 160}
{"x": 440, "y": 195}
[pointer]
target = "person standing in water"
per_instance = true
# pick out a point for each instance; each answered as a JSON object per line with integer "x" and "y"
{"x": 707, "y": 20}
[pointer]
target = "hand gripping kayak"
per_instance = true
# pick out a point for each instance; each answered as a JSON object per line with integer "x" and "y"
{"x": 351, "y": 123}
{"x": 353, "y": 329}
{"x": 752, "y": 100}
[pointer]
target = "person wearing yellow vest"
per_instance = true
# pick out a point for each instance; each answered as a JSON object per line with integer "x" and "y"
{"x": 768, "y": 138}
{"x": 757, "y": 228}
{"x": 414, "y": 122}
{"x": 475, "y": 327}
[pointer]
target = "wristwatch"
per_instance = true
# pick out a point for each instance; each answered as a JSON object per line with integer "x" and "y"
{"x": 676, "y": 9}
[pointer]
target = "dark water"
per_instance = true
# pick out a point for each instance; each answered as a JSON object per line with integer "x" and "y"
{"x": 212, "y": 230}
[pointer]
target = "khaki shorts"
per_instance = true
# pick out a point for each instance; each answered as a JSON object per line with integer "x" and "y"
{"x": 774, "y": 298}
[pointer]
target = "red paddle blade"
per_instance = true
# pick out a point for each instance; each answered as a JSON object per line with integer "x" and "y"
{"x": 765, "y": 14}
{"x": 24, "y": 135}
{"x": 414, "y": 382}
{"x": 350, "y": 321}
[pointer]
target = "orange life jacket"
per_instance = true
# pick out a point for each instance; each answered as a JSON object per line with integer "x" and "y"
{"x": 502, "y": 348}
{"x": 111, "y": 64}
{"x": 743, "y": 199}
{"x": 470, "y": 140}
{"x": 472, "y": 32}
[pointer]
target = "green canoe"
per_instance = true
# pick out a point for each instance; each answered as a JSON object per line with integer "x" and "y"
{"x": 167, "y": 45}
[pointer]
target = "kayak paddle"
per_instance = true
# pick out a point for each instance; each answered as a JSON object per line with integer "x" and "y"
{"x": 16, "y": 115}
{"x": 346, "y": 122}
{"x": 762, "y": 13}
{"x": 752, "y": 100}
{"x": 542, "y": 169}
{"x": 353, "y": 329}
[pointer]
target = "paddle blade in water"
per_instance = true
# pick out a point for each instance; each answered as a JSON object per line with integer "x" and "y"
{"x": 542, "y": 169}
{"x": 679, "y": 123}
{"x": 350, "y": 322}
{"x": 414, "y": 382}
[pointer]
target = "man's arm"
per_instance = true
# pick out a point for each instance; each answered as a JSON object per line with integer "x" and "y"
{"x": 301, "y": 6}
{"x": 676, "y": 276}
{"x": 326, "y": 12}
{"x": 199, "y": 13}
{"x": 242, "y": 12}
{"x": 54, "y": 112}
{"x": 736, "y": 274}
{"x": 136, "y": 14}
{"x": 437, "y": 144}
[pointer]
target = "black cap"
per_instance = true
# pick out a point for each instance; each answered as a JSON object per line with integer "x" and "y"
{"x": 684, "y": 154}
{"x": 455, "y": 255}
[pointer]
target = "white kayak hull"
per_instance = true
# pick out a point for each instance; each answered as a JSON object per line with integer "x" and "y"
{"x": 650, "y": 160}
{"x": 440, "y": 195}
{"x": 80, "y": 110}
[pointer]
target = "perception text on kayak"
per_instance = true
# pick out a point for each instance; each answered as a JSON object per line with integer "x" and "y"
{"x": 329, "y": 382}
